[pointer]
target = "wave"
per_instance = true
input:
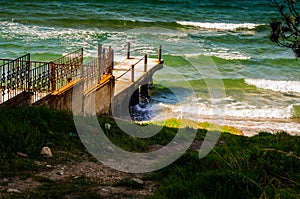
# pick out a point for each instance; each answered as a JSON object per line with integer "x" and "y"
{"x": 198, "y": 111}
{"x": 229, "y": 55}
{"x": 281, "y": 86}
{"x": 222, "y": 55}
{"x": 42, "y": 38}
{"x": 260, "y": 120}
{"x": 221, "y": 26}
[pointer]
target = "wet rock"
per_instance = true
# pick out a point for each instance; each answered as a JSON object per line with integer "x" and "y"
{"x": 107, "y": 126}
{"x": 13, "y": 191}
{"x": 46, "y": 152}
{"x": 60, "y": 173}
{"x": 49, "y": 166}
{"x": 137, "y": 181}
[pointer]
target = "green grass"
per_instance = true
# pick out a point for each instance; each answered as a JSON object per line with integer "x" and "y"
{"x": 296, "y": 112}
{"x": 263, "y": 166}
{"x": 27, "y": 130}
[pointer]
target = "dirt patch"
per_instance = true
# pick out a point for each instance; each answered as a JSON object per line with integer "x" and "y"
{"x": 110, "y": 182}
{"x": 94, "y": 171}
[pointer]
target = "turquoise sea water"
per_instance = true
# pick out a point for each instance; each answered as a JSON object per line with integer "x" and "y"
{"x": 260, "y": 79}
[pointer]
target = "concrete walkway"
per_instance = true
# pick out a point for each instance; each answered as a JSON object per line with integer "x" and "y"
{"x": 123, "y": 73}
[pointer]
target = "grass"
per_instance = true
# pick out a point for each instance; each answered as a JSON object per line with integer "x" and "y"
{"x": 27, "y": 130}
{"x": 296, "y": 112}
{"x": 263, "y": 166}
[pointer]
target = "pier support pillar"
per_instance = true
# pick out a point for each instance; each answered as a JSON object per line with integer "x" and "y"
{"x": 144, "y": 90}
{"x": 134, "y": 100}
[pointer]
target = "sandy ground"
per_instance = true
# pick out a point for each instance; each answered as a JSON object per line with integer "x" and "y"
{"x": 251, "y": 127}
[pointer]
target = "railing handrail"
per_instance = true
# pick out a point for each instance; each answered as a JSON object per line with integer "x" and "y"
{"x": 14, "y": 78}
{"x": 93, "y": 70}
{"x": 131, "y": 68}
{"x": 80, "y": 50}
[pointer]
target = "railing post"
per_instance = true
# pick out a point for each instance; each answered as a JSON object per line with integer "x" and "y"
{"x": 99, "y": 60}
{"x": 81, "y": 57}
{"x": 29, "y": 67}
{"x": 103, "y": 56}
{"x": 53, "y": 76}
{"x": 132, "y": 73}
{"x": 112, "y": 61}
{"x": 159, "y": 53}
{"x": 128, "y": 50}
{"x": 69, "y": 77}
{"x": 145, "y": 62}
{"x": 99, "y": 54}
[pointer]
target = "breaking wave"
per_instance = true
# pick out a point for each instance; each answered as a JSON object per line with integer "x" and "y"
{"x": 221, "y": 26}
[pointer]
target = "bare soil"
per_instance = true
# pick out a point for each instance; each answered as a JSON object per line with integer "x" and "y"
{"x": 107, "y": 180}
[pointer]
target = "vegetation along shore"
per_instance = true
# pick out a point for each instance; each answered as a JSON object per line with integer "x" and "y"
{"x": 263, "y": 166}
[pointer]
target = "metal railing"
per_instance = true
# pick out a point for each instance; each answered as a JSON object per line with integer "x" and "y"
{"x": 93, "y": 71}
{"x": 14, "y": 76}
{"x": 4, "y": 61}
{"x": 40, "y": 79}
{"x": 145, "y": 58}
{"x": 64, "y": 69}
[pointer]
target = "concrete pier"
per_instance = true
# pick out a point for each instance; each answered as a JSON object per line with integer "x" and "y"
{"x": 105, "y": 87}
{"x": 132, "y": 77}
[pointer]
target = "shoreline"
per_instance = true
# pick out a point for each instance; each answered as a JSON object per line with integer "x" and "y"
{"x": 253, "y": 126}
{"x": 248, "y": 126}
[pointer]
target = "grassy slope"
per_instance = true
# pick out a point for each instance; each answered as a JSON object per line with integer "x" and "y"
{"x": 265, "y": 166}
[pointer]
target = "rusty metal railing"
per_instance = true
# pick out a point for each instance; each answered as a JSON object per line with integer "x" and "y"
{"x": 64, "y": 69}
{"x": 40, "y": 79}
{"x": 93, "y": 71}
{"x": 106, "y": 59}
{"x": 90, "y": 73}
{"x": 14, "y": 76}
{"x": 4, "y": 61}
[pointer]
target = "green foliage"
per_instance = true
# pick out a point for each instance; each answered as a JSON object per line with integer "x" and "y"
{"x": 27, "y": 130}
{"x": 296, "y": 112}
{"x": 263, "y": 166}
{"x": 130, "y": 143}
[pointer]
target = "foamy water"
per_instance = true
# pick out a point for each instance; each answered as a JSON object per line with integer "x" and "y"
{"x": 220, "y": 26}
{"x": 261, "y": 120}
{"x": 282, "y": 86}
{"x": 229, "y": 110}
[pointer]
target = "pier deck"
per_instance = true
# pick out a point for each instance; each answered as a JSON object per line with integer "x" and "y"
{"x": 124, "y": 77}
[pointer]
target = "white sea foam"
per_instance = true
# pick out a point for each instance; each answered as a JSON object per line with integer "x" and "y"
{"x": 221, "y": 54}
{"x": 282, "y": 86}
{"x": 220, "y": 26}
{"x": 227, "y": 109}
{"x": 30, "y": 34}
{"x": 229, "y": 55}
{"x": 249, "y": 120}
